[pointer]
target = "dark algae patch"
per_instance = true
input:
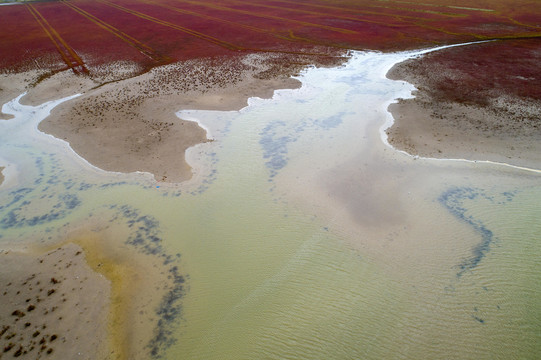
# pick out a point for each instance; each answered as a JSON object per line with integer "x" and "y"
{"x": 455, "y": 200}
{"x": 275, "y": 146}
{"x": 20, "y": 216}
{"x": 146, "y": 237}
{"x": 39, "y": 204}
{"x": 52, "y": 197}
{"x": 169, "y": 311}
{"x": 278, "y": 135}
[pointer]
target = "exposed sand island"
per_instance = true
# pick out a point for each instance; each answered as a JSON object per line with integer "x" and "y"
{"x": 130, "y": 125}
{"x": 1, "y": 175}
{"x": 477, "y": 102}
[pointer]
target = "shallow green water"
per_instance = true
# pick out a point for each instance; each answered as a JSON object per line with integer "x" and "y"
{"x": 308, "y": 237}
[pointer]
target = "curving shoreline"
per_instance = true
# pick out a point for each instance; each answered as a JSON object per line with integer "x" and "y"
{"x": 130, "y": 125}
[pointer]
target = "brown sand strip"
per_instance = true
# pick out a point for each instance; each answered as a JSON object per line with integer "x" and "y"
{"x": 1, "y": 175}
{"x": 87, "y": 298}
{"x": 69, "y": 55}
{"x": 183, "y": 29}
{"x": 272, "y": 17}
{"x": 143, "y": 48}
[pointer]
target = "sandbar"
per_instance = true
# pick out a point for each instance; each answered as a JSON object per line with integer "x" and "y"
{"x": 1, "y": 175}
{"x": 130, "y": 125}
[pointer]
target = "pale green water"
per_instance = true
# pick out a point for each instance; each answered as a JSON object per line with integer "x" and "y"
{"x": 310, "y": 239}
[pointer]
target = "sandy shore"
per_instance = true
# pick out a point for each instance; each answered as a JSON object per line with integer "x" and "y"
{"x": 138, "y": 283}
{"x": 53, "y": 305}
{"x": 1, "y": 175}
{"x": 86, "y": 298}
{"x": 127, "y": 124}
{"x": 500, "y": 126}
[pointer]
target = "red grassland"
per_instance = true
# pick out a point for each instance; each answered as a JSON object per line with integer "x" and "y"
{"x": 82, "y": 34}
{"x": 476, "y": 74}
{"x": 79, "y": 34}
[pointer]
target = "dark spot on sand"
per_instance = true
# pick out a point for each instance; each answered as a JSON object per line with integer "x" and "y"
{"x": 18, "y": 313}
{"x": 8, "y": 347}
{"x": 4, "y": 329}
{"x": 18, "y": 352}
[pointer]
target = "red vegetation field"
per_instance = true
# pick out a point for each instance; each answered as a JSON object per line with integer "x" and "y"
{"x": 79, "y": 34}
{"x": 476, "y": 74}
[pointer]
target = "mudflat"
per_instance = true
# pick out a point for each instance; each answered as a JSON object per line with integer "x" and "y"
{"x": 132, "y": 85}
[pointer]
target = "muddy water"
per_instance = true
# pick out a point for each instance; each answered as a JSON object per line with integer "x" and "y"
{"x": 304, "y": 236}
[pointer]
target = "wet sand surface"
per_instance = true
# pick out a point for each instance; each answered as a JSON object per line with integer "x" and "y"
{"x": 53, "y": 305}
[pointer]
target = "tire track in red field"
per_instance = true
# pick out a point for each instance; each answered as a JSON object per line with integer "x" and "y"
{"x": 378, "y": 13}
{"x": 273, "y": 17}
{"x": 183, "y": 29}
{"x": 394, "y": 27}
{"x": 289, "y": 38}
{"x": 333, "y": 16}
{"x": 217, "y": 19}
{"x": 141, "y": 47}
{"x": 69, "y": 55}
